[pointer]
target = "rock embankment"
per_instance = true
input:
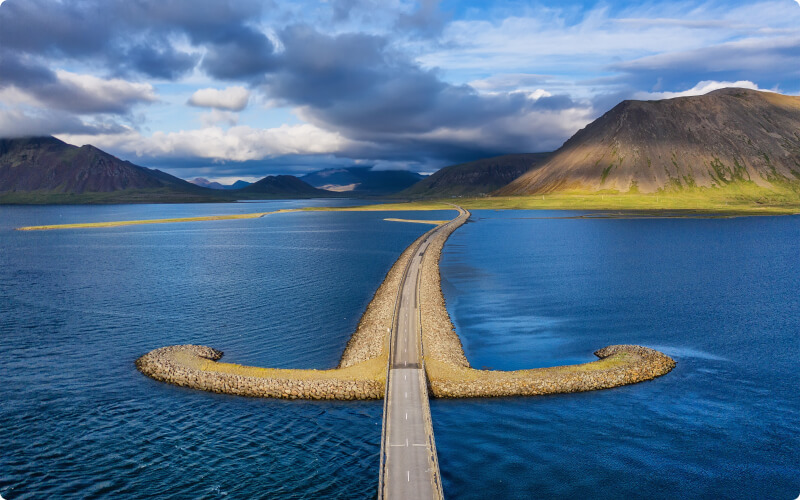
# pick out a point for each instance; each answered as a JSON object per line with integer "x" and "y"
{"x": 450, "y": 375}
{"x": 188, "y": 366}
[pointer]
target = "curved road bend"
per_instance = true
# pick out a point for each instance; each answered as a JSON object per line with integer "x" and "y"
{"x": 410, "y": 469}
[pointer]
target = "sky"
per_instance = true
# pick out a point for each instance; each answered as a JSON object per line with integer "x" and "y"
{"x": 240, "y": 89}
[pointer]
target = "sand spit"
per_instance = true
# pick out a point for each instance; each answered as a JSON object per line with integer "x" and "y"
{"x": 450, "y": 375}
{"x": 120, "y": 223}
{"x": 418, "y": 221}
{"x": 361, "y": 373}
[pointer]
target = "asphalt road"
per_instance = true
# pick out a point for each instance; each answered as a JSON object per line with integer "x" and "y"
{"x": 410, "y": 469}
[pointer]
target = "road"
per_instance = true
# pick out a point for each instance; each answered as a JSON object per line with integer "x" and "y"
{"x": 410, "y": 469}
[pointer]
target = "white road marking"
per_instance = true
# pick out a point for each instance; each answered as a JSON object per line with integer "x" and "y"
{"x": 406, "y": 395}
{"x": 406, "y": 415}
{"x": 408, "y": 476}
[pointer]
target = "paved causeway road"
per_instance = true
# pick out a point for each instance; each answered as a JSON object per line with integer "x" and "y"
{"x": 410, "y": 469}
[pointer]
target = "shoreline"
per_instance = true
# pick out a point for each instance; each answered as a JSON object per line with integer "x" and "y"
{"x": 361, "y": 372}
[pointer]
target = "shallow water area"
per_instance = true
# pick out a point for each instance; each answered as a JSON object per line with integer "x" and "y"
{"x": 80, "y": 305}
{"x": 540, "y": 288}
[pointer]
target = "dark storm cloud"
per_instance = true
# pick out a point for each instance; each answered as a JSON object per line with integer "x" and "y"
{"x": 22, "y": 72}
{"x": 242, "y": 55}
{"x": 129, "y": 36}
{"x": 358, "y": 83}
{"x": 161, "y": 62}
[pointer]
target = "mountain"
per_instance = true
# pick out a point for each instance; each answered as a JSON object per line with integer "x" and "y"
{"x": 475, "y": 178}
{"x": 725, "y": 137}
{"x": 201, "y": 181}
{"x": 362, "y": 180}
{"x": 47, "y": 170}
{"x": 282, "y": 186}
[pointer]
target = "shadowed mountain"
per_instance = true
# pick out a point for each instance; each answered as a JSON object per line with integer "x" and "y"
{"x": 725, "y": 137}
{"x": 362, "y": 180}
{"x": 475, "y": 178}
{"x": 203, "y": 182}
{"x": 47, "y": 170}
{"x": 282, "y": 186}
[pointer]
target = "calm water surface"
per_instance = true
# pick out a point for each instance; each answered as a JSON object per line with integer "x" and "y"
{"x": 77, "y": 307}
{"x": 722, "y": 296}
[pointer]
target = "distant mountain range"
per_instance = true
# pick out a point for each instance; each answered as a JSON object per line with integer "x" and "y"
{"x": 725, "y": 137}
{"x": 200, "y": 181}
{"x": 47, "y": 170}
{"x": 477, "y": 178}
{"x": 362, "y": 180}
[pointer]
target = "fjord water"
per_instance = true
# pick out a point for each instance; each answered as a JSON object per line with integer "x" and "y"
{"x": 77, "y": 307}
{"x": 721, "y": 296}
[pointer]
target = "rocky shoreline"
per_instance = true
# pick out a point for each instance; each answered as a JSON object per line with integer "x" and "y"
{"x": 361, "y": 373}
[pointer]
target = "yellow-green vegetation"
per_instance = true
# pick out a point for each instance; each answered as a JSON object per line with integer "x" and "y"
{"x": 150, "y": 221}
{"x": 439, "y": 371}
{"x": 735, "y": 199}
{"x": 371, "y": 369}
{"x": 418, "y": 221}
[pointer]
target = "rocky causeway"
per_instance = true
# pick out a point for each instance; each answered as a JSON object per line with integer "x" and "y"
{"x": 361, "y": 373}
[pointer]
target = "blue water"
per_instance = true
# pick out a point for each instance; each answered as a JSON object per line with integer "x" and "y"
{"x": 721, "y": 296}
{"x": 77, "y": 307}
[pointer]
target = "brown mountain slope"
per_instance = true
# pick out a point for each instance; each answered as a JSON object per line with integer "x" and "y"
{"x": 730, "y": 135}
{"x": 474, "y": 178}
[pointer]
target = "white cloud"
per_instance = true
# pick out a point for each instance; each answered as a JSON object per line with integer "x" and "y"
{"x": 241, "y": 143}
{"x": 508, "y": 81}
{"x": 231, "y": 98}
{"x": 219, "y": 117}
{"x": 111, "y": 92}
{"x": 701, "y": 88}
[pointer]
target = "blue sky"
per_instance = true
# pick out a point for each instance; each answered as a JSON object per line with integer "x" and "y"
{"x": 243, "y": 89}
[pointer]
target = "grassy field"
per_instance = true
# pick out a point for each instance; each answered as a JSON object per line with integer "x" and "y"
{"x": 739, "y": 199}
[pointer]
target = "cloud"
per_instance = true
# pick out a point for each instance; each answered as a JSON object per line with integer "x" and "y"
{"x": 19, "y": 123}
{"x": 218, "y": 117}
{"x": 241, "y": 143}
{"x": 509, "y": 82}
{"x": 63, "y": 90}
{"x": 230, "y": 98}
{"x": 773, "y": 60}
{"x": 701, "y": 88}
